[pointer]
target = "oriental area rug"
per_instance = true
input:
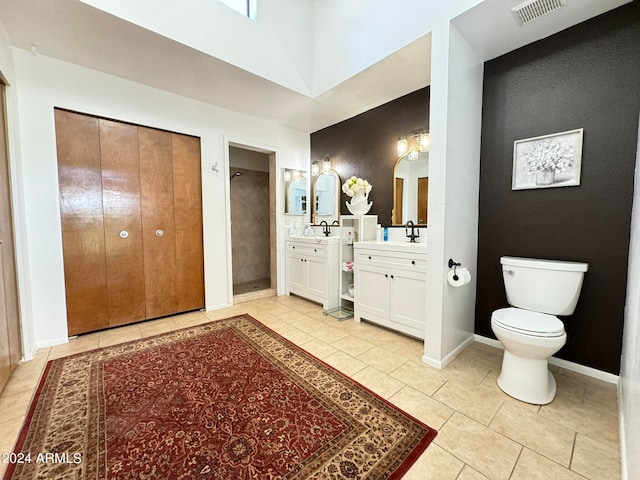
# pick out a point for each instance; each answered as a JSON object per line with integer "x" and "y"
{"x": 229, "y": 399}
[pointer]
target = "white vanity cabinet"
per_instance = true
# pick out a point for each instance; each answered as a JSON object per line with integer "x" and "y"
{"x": 312, "y": 269}
{"x": 390, "y": 285}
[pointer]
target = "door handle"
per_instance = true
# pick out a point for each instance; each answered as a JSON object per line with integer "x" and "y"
{"x": 124, "y": 234}
{"x": 159, "y": 233}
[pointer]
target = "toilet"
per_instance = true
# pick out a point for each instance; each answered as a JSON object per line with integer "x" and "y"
{"x": 537, "y": 290}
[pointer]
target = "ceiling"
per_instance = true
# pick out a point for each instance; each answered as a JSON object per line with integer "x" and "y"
{"x": 72, "y": 31}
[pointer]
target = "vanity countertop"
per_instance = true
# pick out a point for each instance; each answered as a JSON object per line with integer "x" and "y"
{"x": 395, "y": 246}
{"x": 315, "y": 240}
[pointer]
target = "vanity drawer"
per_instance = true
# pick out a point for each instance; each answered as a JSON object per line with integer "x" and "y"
{"x": 307, "y": 249}
{"x": 416, "y": 262}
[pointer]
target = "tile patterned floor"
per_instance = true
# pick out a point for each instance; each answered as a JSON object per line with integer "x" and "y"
{"x": 483, "y": 433}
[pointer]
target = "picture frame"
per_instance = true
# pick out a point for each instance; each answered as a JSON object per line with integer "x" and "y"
{"x": 547, "y": 161}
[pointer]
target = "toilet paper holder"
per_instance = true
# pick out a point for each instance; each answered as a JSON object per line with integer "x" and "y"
{"x": 454, "y": 265}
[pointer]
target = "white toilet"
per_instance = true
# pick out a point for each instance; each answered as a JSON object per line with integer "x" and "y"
{"x": 529, "y": 330}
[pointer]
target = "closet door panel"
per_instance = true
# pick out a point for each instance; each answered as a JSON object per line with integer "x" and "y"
{"x": 187, "y": 195}
{"x": 122, "y": 222}
{"x": 156, "y": 193}
{"x": 80, "y": 181}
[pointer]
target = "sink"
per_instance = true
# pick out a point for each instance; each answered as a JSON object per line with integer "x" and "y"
{"x": 396, "y": 246}
{"x": 315, "y": 240}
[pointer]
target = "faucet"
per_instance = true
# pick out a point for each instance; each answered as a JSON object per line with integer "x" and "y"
{"x": 414, "y": 233}
{"x": 325, "y": 228}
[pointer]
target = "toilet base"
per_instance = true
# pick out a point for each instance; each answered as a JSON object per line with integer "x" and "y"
{"x": 527, "y": 379}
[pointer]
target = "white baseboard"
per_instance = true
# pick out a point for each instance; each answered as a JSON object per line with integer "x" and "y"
{"x": 448, "y": 358}
{"x": 574, "y": 367}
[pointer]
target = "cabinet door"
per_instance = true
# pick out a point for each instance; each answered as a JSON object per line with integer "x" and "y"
{"x": 317, "y": 276}
{"x": 158, "y": 236}
{"x": 296, "y": 272}
{"x": 122, "y": 222}
{"x": 80, "y": 182}
{"x": 372, "y": 289}
{"x": 408, "y": 299}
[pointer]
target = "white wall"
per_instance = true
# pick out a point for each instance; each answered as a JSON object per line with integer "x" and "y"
{"x": 275, "y": 47}
{"x": 454, "y": 166}
{"x": 630, "y": 363}
{"x": 45, "y": 83}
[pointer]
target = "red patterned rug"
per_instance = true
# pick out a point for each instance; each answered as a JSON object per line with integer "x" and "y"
{"x": 229, "y": 399}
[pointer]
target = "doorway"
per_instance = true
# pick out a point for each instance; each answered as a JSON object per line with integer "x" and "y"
{"x": 252, "y": 202}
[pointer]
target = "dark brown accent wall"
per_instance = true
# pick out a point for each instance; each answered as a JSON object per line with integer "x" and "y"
{"x": 584, "y": 77}
{"x": 365, "y": 146}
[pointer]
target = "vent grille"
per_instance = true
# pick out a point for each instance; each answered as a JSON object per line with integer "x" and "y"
{"x": 529, "y": 11}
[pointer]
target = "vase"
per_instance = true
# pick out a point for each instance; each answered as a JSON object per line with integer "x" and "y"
{"x": 545, "y": 177}
{"x": 359, "y": 205}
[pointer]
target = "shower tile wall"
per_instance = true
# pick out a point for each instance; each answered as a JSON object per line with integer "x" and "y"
{"x": 250, "y": 226}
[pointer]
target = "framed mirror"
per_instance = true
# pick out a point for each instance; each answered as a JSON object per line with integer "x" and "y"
{"x": 326, "y": 195}
{"x": 295, "y": 202}
{"x": 411, "y": 189}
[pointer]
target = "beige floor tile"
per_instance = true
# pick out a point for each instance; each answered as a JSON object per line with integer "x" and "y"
{"x": 382, "y": 359}
{"x": 583, "y": 418}
{"x": 115, "y": 336}
{"x": 435, "y": 464}
{"x": 489, "y": 358}
{"x": 414, "y": 350}
{"x": 488, "y": 452}
{"x": 595, "y": 460}
{"x": 422, "y": 377}
{"x": 320, "y": 330}
{"x": 533, "y": 466}
{"x": 318, "y": 348}
{"x": 14, "y": 406}
{"x": 352, "y": 345}
{"x": 345, "y": 363}
{"x": 292, "y": 316}
{"x": 82, "y": 343}
{"x": 157, "y": 327}
{"x": 296, "y": 336}
{"x": 23, "y": 379}
{"x": 378, "y": 382}
{"x": 475, "y": 401}
{"x": 10, "y": 430}
{"x": 491, "y": 382}
{"x": 422, "y": 407}
{"x": 545, "y": 437}
{"x": 469, "y": 473}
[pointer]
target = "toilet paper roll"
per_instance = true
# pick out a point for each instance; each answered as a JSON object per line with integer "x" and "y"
{"x": 463, "y": 275}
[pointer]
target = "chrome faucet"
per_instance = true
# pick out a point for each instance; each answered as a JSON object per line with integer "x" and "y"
{"x": 325, "y": 228}
{"x": 415, "y": 233}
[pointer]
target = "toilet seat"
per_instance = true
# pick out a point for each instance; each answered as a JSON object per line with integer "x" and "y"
{"x": 530, "y": 323}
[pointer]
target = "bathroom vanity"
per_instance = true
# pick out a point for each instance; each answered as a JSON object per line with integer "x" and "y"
{"x": 390, "y": 283}
{"x": 313, "y": 269}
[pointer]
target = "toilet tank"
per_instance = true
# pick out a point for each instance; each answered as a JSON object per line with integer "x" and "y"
{"x": 547, "y": 286}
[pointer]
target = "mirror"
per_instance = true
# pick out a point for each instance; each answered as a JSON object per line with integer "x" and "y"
{"x": 326, "y": 192}
{"x": 411, "y": 189}
{"x": 295, "y": 193}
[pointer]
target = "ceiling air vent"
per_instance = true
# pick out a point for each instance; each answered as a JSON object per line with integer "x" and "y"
{"x": 528, "y": 11}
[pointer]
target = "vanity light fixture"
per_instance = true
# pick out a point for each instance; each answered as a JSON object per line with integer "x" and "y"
{"x": 326, "y": 164}
{"x": 287, "y": 175}
{"x": 421, "y": 144}
{"x": 402, "y": 146}
{"x": 314, "y": 168}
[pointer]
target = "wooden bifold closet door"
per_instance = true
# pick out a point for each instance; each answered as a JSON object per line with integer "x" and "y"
{"x": 131, "y": 210}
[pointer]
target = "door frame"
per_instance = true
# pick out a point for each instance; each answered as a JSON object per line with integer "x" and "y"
{"x": 276, "y": 222}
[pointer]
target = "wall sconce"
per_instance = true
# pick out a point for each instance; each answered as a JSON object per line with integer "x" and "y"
{"x": 314, "y": 168}
{"x": 287, "y": 175}
{"x": 326, "y": 164}
{"x": 421, "y": 144}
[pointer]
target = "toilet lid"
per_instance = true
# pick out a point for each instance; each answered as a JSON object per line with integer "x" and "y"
{"x": 528, "y": 322}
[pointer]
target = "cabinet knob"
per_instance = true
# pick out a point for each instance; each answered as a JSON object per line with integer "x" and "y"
{"x": 124, "y": 234}
{"x": 159, "y": 233}
{"x": 413, "y": 262}
{"x": 369, "y": 257}
{"x": 391, "y": 276}
{"x": 386, "y": 276}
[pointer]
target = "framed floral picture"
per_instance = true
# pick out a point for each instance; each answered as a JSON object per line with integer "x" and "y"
{"x": 548, "y": 161}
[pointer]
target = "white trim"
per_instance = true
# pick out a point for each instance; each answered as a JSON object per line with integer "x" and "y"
{"x": 448, "y": 358}
{"x": 622, "y": 435}
{"x": 574, "y": 367}
{"x": 52, "y": 343}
